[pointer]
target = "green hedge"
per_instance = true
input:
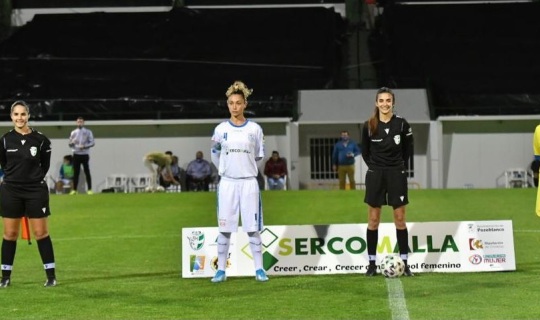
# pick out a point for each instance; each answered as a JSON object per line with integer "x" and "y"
{"x": 5, "y": 18}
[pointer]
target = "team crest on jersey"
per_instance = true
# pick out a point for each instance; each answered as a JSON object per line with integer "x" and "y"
{"x": 33, "y": 151}
{"x": 252, "y": 137}
{"x": 397, "y": 138}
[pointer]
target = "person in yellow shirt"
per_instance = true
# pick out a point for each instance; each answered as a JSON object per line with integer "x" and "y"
{"x": 536, "y": 149}
{"x": 163, "y": 162}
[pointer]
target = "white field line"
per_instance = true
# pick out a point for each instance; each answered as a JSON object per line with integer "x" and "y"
{"x": 396, "y": 299}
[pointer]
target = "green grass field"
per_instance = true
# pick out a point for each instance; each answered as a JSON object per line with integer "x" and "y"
{"x": 118, "y": 256}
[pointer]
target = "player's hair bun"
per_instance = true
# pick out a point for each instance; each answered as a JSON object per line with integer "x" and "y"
{"x": 238, "y": 87}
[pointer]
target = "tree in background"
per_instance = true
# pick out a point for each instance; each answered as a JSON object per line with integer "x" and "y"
{"x": 178, "y": 3}
{"x": 5, "y": 18}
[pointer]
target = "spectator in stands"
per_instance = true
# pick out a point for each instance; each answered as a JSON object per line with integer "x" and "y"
{"x": 535, "y": 167}
{"x": 275, "y": 171}
{"x": 343, "y": 160}
{"x": 65, "y": 178}
{"x": 163, "y": 162}
{"x": 198, "y": 173}
{"x": 80, "y": 142}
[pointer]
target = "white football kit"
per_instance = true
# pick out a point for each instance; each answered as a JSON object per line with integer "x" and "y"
{"x": 235, "y": 152}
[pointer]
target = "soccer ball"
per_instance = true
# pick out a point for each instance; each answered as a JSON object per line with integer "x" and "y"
{"x": 392, "y": 266}
{"x": 157, "y": 189}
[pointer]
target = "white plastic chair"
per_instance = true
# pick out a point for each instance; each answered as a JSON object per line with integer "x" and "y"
{"x": 516, "y": 178}
{"x": 118, "y": 182}
{"x": 140, "y": 182}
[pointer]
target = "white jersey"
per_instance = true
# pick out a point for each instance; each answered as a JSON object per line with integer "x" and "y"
{"x": 239, "y": 147}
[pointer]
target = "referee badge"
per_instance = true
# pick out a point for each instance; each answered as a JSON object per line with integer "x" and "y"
{"x": 397, "y": 139}
{"x": 33, "y": 151}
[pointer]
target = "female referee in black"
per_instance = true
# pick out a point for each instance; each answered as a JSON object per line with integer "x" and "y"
{"x": 25, "y": 156}
{"x": 387, "y": 144}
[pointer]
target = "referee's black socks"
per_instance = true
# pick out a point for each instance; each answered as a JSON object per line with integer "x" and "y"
{"x": 403, "y": 243}
{"x": 46, "y": 252}
{"x": 8, "y": 255}
{"x": 372, "y": 238}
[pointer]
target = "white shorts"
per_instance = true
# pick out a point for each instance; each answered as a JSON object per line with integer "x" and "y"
{"x": 239, "y": 196}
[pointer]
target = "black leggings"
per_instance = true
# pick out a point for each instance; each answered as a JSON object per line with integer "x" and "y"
{"x": 83, "y": 159}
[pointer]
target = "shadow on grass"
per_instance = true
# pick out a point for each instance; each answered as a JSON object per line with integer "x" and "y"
{"x": 99, "y": 277}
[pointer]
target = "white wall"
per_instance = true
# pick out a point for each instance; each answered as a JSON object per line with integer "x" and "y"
{"x": 478, "y": 150}
{"x": 451, "y": 152}
{"x": 325, "y": 113}
{"x": 124, "y": 155}
{"x": 356, "y": 106}
{"x": 121, "y": 145}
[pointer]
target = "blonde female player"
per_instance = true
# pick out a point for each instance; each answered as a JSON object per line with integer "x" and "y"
{"x": 237, "y": 145}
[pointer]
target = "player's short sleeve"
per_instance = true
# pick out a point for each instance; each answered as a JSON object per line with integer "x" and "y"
{"x": 260, "y": 142}
{"x": 217, "y": 136}
{"x": 536, "y": 141}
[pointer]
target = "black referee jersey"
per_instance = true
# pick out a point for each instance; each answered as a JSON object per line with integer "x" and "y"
{"x": 390, "y": 147}
{"x": 25, "y": 158}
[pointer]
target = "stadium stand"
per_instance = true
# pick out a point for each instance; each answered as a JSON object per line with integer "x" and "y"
{"x": 169, "y": 65}
{"x": 474, "y": 58}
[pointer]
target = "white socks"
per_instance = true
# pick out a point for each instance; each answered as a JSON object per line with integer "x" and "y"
{"x": 224, "y": 241}
{"x": 255, "y": 244}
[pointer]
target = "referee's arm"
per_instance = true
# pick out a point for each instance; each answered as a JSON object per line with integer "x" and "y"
{"x": 3, "y": 159}
{"x": 408, "y": 145}
{"x": 45, "y": 156}
{"x": 366, "y": 146}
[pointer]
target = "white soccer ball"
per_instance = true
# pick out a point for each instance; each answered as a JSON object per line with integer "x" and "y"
{"x": 149, "y": 189}
{"x": 160, "y": 189}
{"x": 392, "y": 266}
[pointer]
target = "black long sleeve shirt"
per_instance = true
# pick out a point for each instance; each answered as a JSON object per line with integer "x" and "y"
{"x": 390, "y": 147}
{"x": 25, "y": 158}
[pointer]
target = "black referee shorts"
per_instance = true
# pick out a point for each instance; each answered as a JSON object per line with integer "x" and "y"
{"x": 18, "y": 200}
{"x": 386, "y": 187}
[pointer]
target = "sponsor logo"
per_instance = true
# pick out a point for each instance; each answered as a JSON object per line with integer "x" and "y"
{"x": 490, "y": 228}
{"x": 196, "y": 240}
{"x": 475, "y": 244}
{"x": 214, "y": 263}
{"x": 495, "y": 258}
{"x": 475, "y": 259}
{"x": 196, "y": 264}
{"x": 493, "y": 244}
{"x": 267, "y": 238}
